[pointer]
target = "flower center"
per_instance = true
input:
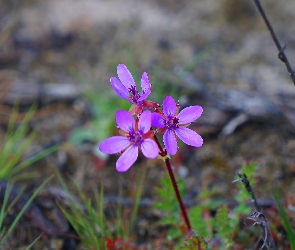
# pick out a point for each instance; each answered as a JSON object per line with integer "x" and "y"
{"x": 135, "y": 137}
{"x": 133, "y": 94}
{"x": 171, "y": 122}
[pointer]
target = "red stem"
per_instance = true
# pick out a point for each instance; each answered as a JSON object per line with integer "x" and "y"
{"x": 164, "y": 154}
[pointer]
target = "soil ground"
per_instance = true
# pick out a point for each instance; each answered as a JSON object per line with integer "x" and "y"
{"x": 223, "y": 44}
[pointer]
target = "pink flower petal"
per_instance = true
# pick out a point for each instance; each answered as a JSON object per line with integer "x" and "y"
{"x": 125, "y": 76}
{"x": 158, "y": 120}
{"x": 126, "y": 160}
{"x": 189, "y": 114}
{"x": 145, "y": 86}
{"x": 169, "y": 106}
{"x": 144, "y": 123}
{"x": 119, "y": 88}
{"x": 189, "y": 136}
{"x": 145, "y": 83}
{"x": 149, "y": 148}
{"x": 170, "y": 142}
{"x": 114, "y": 144}
{"x": 125, "y": 120}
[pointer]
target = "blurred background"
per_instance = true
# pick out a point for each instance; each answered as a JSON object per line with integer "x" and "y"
{"x": 59, "y": 55}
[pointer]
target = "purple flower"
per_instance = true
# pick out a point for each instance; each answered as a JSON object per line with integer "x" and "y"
{"x": 173, "y": 125}
{"x": 135, "y": 134}
{"x": 126, "y": 88}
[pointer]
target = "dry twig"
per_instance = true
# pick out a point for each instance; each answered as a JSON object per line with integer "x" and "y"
{"x": 282, "y": 56}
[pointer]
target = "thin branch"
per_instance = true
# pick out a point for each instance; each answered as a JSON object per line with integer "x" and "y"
{"x": 282, "y": 56}
{"x": 248, "y": 187}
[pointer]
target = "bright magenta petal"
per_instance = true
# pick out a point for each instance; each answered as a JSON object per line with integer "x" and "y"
{"x": 126, "y": 160}
{"x": 169, "y": 106}
{"x": 170, "y": 142}
{"x": 125, "y": 76}
{"x": 145, "y": 83}
{"x": 145, "y": 86}
{"x": 114, "y": 144}
{"x": 144, "y": 123}
{"x": 149, "y": 148}
{"x": 189, "y": 114}
{"x": 125, "y": 120}
{"x": 119, "y": 88}
{"x": 189, "y": 136}
{"x": 158, "y": 120}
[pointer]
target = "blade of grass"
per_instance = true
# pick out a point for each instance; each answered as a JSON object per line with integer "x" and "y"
{"x": 33, "y": 243}
{"x": 15, "y": 199}
{"x": 4, "y": 205}
{"x": 286, "y": 221}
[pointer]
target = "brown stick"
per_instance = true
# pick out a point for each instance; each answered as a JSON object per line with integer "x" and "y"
{"x": 282, "y": 56}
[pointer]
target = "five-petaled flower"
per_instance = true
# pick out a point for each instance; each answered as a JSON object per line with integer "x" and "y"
{"x": 173, "y": 124}
{"x": 126, "y": 88}
{"x": 135, "y": 134}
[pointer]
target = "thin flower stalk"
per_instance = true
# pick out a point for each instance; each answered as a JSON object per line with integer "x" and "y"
{"x": 163, "y": 153}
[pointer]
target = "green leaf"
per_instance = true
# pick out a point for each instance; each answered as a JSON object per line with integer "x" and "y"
{"x": 173, "y": 233}
{"x": 201, "y": 225}
{"x": 223, "y": 227}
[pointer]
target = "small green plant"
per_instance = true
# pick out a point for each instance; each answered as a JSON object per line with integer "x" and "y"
{"x": 225, "y": 224}
{"x": 90, "y": 222}
{"x": 87, "y": 222}
{"x": 13, "y": 147}
{"x": 200, "y": 214}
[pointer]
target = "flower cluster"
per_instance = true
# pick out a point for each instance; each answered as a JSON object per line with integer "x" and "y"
{"x": 137, "y": 133}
